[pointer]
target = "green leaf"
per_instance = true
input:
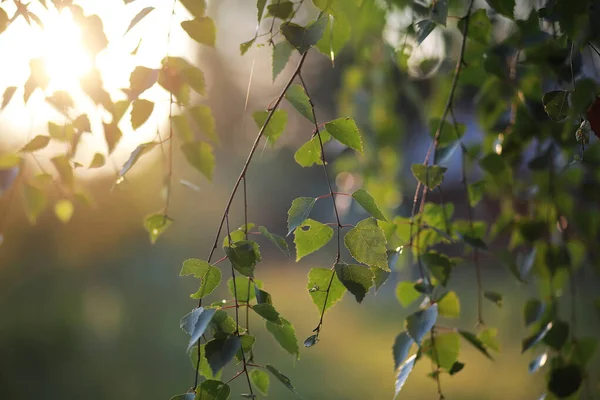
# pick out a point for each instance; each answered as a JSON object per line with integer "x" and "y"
{"x": 456, "y": 368}
{"x": 268, "y": 312}
{"x": 337, "y": 33}
{"x": 98, "y": 161}
{"x": 445, "y": 350}
{"x": 244, "y": 47}
{"x": 556, "y": 104}
{"x": 276, "y": 125}
{"x": 367, "y": 202}
{"x": 204, "y": 368}
{"x": 182, "y": 127}
{"x": 439, "y": 265}
{"x": 402, "y": 345}
{"x": 64, "y": 210}
{"x": 429, "y": 175}
{"x": 345, "y": 131}
{"x": 241, "y": 291}
{"x": 82, "y": 124}
{"x": 281, "y": 55}
{"x": 195, "y": 323}
{"x": 380, "y": 277}
{"x": 213, "y": 390}
{"x": 480, "y": 26}
{"x": 402, "y": 373}
{"x": 4, "y": 21}
{"x": 533, "y": 311}
{"x": 320, "y": 280}
{"x": 367, "y": 244}
{"x": 310, "y": 237}
{"x": 196, "y": 7}
{"x": 299, "y": 212}
{"x": 64, "y": 133}
{"x": 420, "y": 323}
{"x": 310, "y": 152}
{"x": 140, "y": 112}
{"x": 281, "y": 377}
{"x": 424, "y": 28}
{"x": 140, "y": 80}
{"x": 261, "y": 380}
{"x": 358, "y": 279}
{"x": 35, "y": 202}
{"x": 304, "y": 38}
{"x": 260, "y": 6}
{"x": 200, "y": 156}
{"x": 220, "y": 351}
{"x": 203, "y": 118}
{"x": 9, "y": 160}
{"x": 494, "y": 297}
{"x": 62, "y": 101}
{"x": 238, "y": 234}
{"x": 281, "y": 9}
{"x": 406, "y": 293}
{"x": 223, "y": 323}
{"x": 534, "y": 339}
{"x": 285, "y": 334}
{"x": 478, "y": 344}
{"x": 276, "y": 240}
{"x": 504, "y": 7}
{"x": 449, "y": 305}
{"x": 300, "y": 101}
{"x": 476, "y": 192}
{"x": 488, "y": 338}
{"x": 209, "y": 275}
{"x": 565, "y": 381}
{"x": 135, "y": 156}
{"x": 243, "y": 256}
{"x": 439, "y": 12}
{"x": 64, "y": 168}
{"x": 493, "y": 164}
{"x": 37, "y": 143}
{"x": 140, "y": 16}
{"x": 156, "y": 225}
{"x": 558, "y": 335}
{"x": 202, "y": 30}
{"x": 112, "y": 135}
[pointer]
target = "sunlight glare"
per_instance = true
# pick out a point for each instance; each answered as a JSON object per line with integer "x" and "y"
{"x": 65, "y": 57}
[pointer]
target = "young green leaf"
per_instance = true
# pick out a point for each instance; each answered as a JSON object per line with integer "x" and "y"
{"x": 401, "y": 347}
{"x": 310, "y": 237}
{"x": 478, "y": 344}
{"x": 345, "y": 131}
{"x": 135, "y": 156}
{"x": 64, "y": 210}
{"x": 200, "y": 156}
{"x": 213, "y": 390}
{"x": 37, "y": 143}
{"x": 35, "y": 202}
{"x": 276, "y": 240}
{"x": 64, "y": 168}
{"x": 9, "y": 160}
{"x": 276, "y": 125}
{"x": 310, "y": 152}
{"x": 299, "y": 212}
{"x": 379, "y": 277}
{"x": 196, "y": 7}
{"x": 367, "y": 244}
{"x": 304, "y": 38}
{"x": 204, "y": 368}
{"x": 420, "y": 323}
{"x": 556, "y": 104}
{"x": 112, "y": 135}
{"x": 203, "y": 118}
{"x": 140, "y": 80}
{"x": 358, "y": 279}
{"x": 268, "y": 312}
{"x": 156, "y": 225}
{"x": 324, "y": 285}
{"x": 488, "y": 338}
{"x": 220, "y": 351}
{"x": 281, "y": 377}
{"x": 337, "y": 33}
{"x": 285, "y": 334}
{"x": 140, "y": 112}
{"x": 439, "y": 264}
{"x": 261, "y": 380}
{"x": 429, "y": 175}
{"x": 449, "y": 305}
{"x": 281, "y": 55}
{"x": 406, "y": 293}
{"x": 209, "y": 275}
{"x": 447, "y": 348}
{"x": 183, "y": 127}
{"x": 202, "y": 30}
{"x": 195, "y": 323}
{"x": 241, "y": 290}
{"x": 243, "y": 256}
{"x": 244, "y": 47}
{"x": 476, "y": 192}
{"x": 281, "y": 9}
{"x": 141, "y": 15}
{"x": 367, "y": 202}
{"x": 300, "y": 101}
{"x": 494, "y": 297}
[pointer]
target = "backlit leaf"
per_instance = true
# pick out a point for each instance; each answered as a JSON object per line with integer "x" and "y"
{"x": 449, "y": 305}
{"x": 478, "y": 344}
{"x": 9, "y": 91}
{"x": 367, "y": 244}
{"x": 281, "y": 55}
{"x": 209, "y": 275}
{"x": 299, "y": 100}
{"x": 156, "y": 225}
{"x": 310, "y": 152}
{"x": 200, "y": 156}
{"x": 213, "y": 390}
{"x": 64, "y": 168}
{"x": 319, "y": 281}
{"x": 494, "y": 297}
{"x": 268, "y": 312}
{"x": 97, "y": 161}
{"x": 406, "y": 293}
{"x": 358, "y": 279}
{"x": 140, "y": 16}
{"x": 260, "y": 380}
{"x": 285, "y": 334}
{"x": 135, "y": 156}
{"x": 35, "y": 202}
{"x": 64, "y": 210}
{"x": 429, "y": 175}
{"x": 345, "y": 131}
{"x": 112, "y": 135}
{"x": 140, "y": 80}
{"x": 243, "y": 256}
{"x": 367, "y": 202}
{"x": 299, "y": 212}
{"x": 202, "y": 30}
{"x": 445, "y": 350}
{"x": 203, "y": 118}
{"x": 140, "y": 112}
{"x": 196, "y": 7}
{"x": 281, "y": 377}
{"x": 37, "y": 143}
{"x": 276, "y": 240}
{"x": 310, "y": 236}
{"x": 276, "y": 125}
{"x": 556, "y": 104}
{"x": 303, "y": 38}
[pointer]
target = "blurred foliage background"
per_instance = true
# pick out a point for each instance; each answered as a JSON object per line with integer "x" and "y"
{"x": 91, "y": 309}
